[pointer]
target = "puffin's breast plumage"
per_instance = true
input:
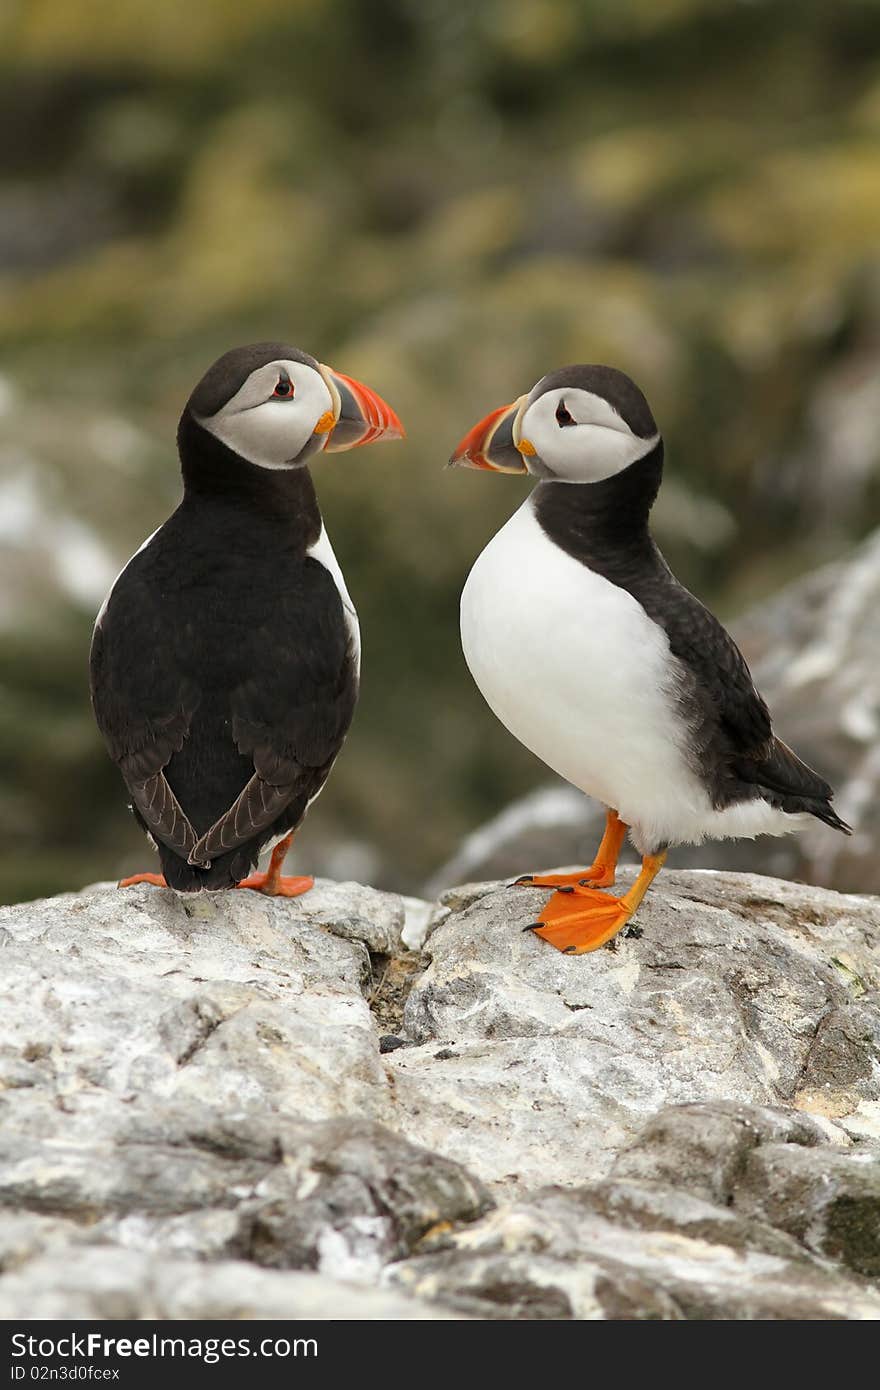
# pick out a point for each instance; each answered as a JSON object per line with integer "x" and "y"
{"x": 574, "y": 668}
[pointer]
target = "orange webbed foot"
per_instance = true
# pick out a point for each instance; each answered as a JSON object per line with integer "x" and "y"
{"x": 582, "y": 921}
{"x": 157, "y": 880}
{"x": 578, "y": 919}
{"x": 273, "y": 883}
{"x": 280, "y": 886}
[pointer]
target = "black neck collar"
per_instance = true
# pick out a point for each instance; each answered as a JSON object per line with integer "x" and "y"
{"x": 584, "y": 517}
{"x": 213, "y": 473}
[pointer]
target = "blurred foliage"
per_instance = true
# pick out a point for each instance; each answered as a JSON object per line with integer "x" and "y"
{"x": 446, "y": 199}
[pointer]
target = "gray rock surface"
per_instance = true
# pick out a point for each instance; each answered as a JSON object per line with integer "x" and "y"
{"x": 704, "y": 1148}
{"x": 113, "y": 997}
{"x": 557, "y": 1255}
{"x": 748, "y": 989}
{"x": 114, "y": 1283}
{"x": 814, "y": 649}
{"x": 197, "y": 1120}
{"x": 831, "y": 1202}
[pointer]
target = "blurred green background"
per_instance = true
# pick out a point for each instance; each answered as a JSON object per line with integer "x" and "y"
{"x": 447, "y": 199}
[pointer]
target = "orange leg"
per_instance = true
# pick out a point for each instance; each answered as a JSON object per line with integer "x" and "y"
{"x": 273, "y": 882}
{"x": 585, "y": 919}
{"x": 157, "y": 880}
{"x": 600, "y": 873}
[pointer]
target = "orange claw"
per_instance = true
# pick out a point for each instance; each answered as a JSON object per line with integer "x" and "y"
{"x": 157, "y": 880}
{"x": 600, "y": 875}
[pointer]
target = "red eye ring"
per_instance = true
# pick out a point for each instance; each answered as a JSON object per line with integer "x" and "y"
{"x": 284, "y": 389}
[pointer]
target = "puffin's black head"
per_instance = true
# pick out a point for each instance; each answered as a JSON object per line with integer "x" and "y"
{"x": 276, "y": 406}
{"x": 578, "y": 425}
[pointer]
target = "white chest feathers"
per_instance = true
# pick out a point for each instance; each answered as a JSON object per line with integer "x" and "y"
{"x": 572, "y": 665}
{"x": 322, "y": 551}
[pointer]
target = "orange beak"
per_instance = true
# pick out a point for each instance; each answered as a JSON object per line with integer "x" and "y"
{"x": 360, "y": 416}
{"x": 494, "y": 443}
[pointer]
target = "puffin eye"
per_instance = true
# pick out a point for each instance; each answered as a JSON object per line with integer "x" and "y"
{"x": 284, "y": 390}
{"x": 563, "y": 416}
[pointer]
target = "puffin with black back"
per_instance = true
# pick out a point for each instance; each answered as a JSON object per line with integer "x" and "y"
{"x": 225, "y": 660}
{"x": 591, "y": 653}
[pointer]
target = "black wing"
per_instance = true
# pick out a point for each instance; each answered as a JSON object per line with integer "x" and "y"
{"x": 290, "y": 715}
{"x": 143, "y": 707}
{"x": 293, "y": 711}
{"x": 729, "y": 726}
{"x": 733, "y": 716}
{"x": 723, "y": 681}
{"x": 143, "y": 704}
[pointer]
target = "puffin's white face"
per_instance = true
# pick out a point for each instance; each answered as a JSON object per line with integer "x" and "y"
{"x": 280, "y": 417}
{"x": 572, "y": 435}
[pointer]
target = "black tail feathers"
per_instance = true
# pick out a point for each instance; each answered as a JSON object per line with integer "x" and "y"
{"x": 824, "y": 811}
{"x": 789, "y": 783}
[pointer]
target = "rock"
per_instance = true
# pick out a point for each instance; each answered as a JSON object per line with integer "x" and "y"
{"x": 704, "y": 1148}
{"x": 226, "y": 1105}
{"x": 342, "y": 1196}
{"x": 114, "y": 997}
{"x": 531, "y": 1066}
{"x": 353, "y": 1197}
{"x": 123, "y": 1012}
{"x": 24, "y": 1235}
{"x": 831, "y": 1202}
{"x": 554, "y": 1256}
{"x": 419, "y": 915}
{"x": 814, "y": 650}
{"x": 359, "y": 914}
{"x": 111, "y": 1283}
{"x": 655, "y": 1206}
{"x": 170, "y": 1047}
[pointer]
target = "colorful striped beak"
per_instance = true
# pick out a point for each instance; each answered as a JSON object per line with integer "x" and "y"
{"x": 360, "y": 416}
{"x": 494, "y": 443}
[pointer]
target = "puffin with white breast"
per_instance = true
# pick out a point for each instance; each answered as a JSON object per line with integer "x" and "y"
{"x": 591, "y": 653}
{"x": 225, "y": 661}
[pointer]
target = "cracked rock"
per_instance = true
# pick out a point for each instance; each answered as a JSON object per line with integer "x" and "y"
{"x": 126, "y": 1009}
{"x": 829, "y": 1201}
{"x": 554, "y": 1256}
{"x": 357, "y": 913}
{"x": 704, "y": 1148}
